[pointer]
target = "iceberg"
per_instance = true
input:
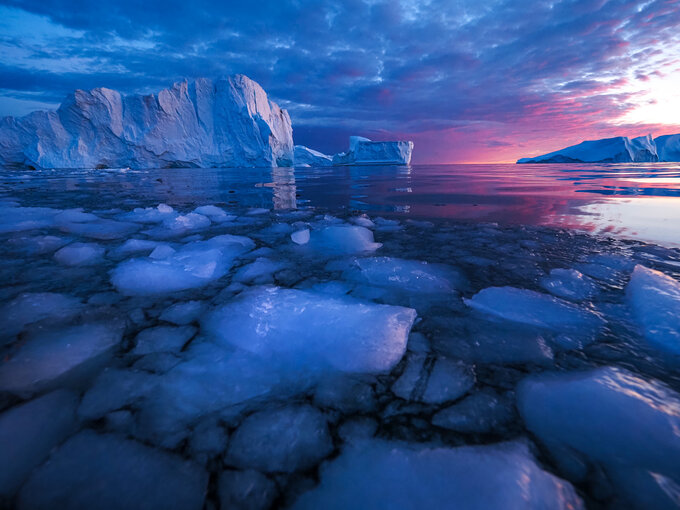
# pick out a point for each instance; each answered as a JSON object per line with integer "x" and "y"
{"x": 363, "y": 151}
{"x": 199, "y": 123}
{"x": 304, "y": 156}
{"x": 668, "y": 147}
{"x": 620, "y": 149}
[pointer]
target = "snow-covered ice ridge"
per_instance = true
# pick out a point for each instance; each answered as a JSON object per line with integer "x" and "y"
{"x": 362, "y": 151}
{"x": 621, "y": 149}
{"x": 256, "y": 358}
{"x": 198, "y": 123}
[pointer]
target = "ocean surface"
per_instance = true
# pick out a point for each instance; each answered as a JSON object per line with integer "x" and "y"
{"x": 197, "y": 338}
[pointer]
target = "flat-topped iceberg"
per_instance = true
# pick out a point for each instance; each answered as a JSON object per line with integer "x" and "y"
{"x": 363, "y": 151}
{"x": 199, "y": 123}
{"x": 620, "y": 149}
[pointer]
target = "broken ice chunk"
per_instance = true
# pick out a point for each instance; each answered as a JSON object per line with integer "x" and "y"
{"x": 183, "y": 313}
{"x": 95, "y": 470}
{"x": 245, "y": 490}
{"x": 288, "y": 439}
{"x": 215, "y": 213}
{"x": 655, "y": 301}
{"x": 150, "y": 214}
{"x": 535, "y": 309}
{"x": 29, "y": 431}
{"x": 343, "y": 239}
{"x": 569, "y": 284}
{"x": 306, "y": 329}
{"x": 260, "y": 271}
{"x": 59, "y": 356}
{"x": 31, "y": 307}
{"x": 135, "y": 246}
{"x": 300, "y": 237}
{"x": 192, "y": 266}
{"x": 374, "y": 474}
{"x": 610, "y": 415}
{"x": 480, "y": 413}
{"x": 412, "y": 276}
{"x": 80, "y": 254}
{"x": 448, "y": 380}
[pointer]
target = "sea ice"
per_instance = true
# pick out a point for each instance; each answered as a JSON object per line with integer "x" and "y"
{"x": 655, "y": 301}
{"x": 58, "y": 357}
{"x": 300, "y": 236}
{"x": 95, "y": 470}
{"x": 535, "y": 309}
{"x": 194, "y": 265}
{"x": 569, "y": 284}
{"x": 179, "y": 225}
{"x": 38, "y": 245}
{"x": 378, "y": 474}
{"x": 207, "y": 440}
{"x": 610, "y": 415}
{"x": 343, "y": 239}
{"x": 80, "y": 254}
{"x": 150, "y": 214}
{"x": 245, "y": 490}
{"x": 286, "y": 439}
{"x": 480, "y": 413}
{"x": 34, "y": 306}
{"x": 163, "y": 339}
{"x": 29, "y": 431}
{"x": 410, "y": 276}
{"x": 305, "y": 329}
{"x": 448, "y": 381}
{"x": 215, "y": 213}
{"x": 135, "y": 246}
{"x": 345, "y": 393}
{"x": 183, "y": 313}
{"x": 260, "y": 271}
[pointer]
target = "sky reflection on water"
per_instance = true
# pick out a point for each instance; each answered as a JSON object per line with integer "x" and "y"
{"x": 639, "y": 201}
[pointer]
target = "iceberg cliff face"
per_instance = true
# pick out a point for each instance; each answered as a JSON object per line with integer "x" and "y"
{"x": 363, "y": 151}
{"x": 304, "y": 156}
{"x": 620, "y": 149}
{"x": 668, "y": 147}
{"x": 201, "y": 123}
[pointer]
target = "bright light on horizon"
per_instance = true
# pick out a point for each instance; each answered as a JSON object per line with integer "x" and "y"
{"x": 660, "y": 102}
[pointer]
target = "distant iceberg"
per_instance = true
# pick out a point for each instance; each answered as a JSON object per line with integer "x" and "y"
{"x": 362, "y": 151}
{"x": 620, "y": 149}
{"x": 199, "y": 123}
{"x": 668, "y": 147}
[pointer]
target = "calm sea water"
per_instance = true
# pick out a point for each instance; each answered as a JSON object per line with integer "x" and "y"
{"x": 635, "y": 201}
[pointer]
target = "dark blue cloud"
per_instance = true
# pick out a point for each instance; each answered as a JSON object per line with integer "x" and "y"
{"x": 384, "y": 68}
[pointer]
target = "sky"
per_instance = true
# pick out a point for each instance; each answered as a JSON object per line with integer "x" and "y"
{"x": 466, "y": 80}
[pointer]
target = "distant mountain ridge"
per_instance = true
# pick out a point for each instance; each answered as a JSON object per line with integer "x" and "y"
{"x": 620, "y": 149}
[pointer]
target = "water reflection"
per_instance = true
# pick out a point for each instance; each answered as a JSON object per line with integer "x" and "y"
{"x": 641, "y": 201}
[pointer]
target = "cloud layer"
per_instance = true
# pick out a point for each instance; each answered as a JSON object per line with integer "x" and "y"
{"x": 467, "y": 80}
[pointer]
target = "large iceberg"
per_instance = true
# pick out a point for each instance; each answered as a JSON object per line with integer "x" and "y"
{"x": 620, "y": 149}
{"x": 199, "y": 123}
{"x": 304, "y": 156}
{"x": 363, "y": 151}
{"x": 668, "y": 147}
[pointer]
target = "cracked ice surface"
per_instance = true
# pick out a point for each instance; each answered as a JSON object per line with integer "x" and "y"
{"x": 239, "y": 356}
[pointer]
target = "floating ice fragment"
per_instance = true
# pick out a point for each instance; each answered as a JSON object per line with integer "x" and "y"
{"x": 448, "y": 381}
{"x": 310, "y": 330}
{"x": 343, "y": 239}
{"x": 214, "y": 213}
{"x": 135, "y": 246}
{"x": 245, "y": 490}
{"x": 183, "y": 313}
{"x": 655, "y": 301}
{"x": 194, "y": 265}
{"x": 535, "y": 309}
{"x": 288, "y": 439}
{"x": 480, "y": 413}
{"x": 29, "y": 431}
{"x": 31, "y": 307}
{"x": 260, "y": 271}
{"x": 80, "y": 254}
{"x": 300, "y": 237}
{"x": 59, "y": 356}
{"x": 609, "y": 415}
{"x": 569, "y": 284}
{"x": 378, "y": 474}
{"x": 95, "y": 470}
{"x": 150, "y": 214}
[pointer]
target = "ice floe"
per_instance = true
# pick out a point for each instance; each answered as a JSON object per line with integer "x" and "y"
{"x": 655, "y": 302}
{"x": 80, "y": 254}
{"x": 343, "y": 240}
{"x": 95, "y": 470}
{"x": 380, "y": 474}
{"x": 194, "y": 265}
{"x": 31, "y": 307}
{"x": 284, "y": 439}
